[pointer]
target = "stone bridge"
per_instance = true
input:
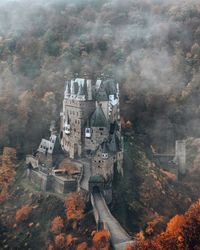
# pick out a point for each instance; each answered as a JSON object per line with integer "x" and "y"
{"x": 103, "y": 217}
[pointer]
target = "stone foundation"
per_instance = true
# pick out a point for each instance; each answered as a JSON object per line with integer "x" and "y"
{"x": 51, "y": 183}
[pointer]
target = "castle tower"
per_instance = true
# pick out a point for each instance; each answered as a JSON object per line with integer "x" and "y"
{"x": 76, "y": 110}
{"x": 180, "y": 156}
{"x": 90, "y": 128}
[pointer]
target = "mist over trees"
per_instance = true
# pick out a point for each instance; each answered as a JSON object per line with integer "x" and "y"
{"x": 150, "y": 47}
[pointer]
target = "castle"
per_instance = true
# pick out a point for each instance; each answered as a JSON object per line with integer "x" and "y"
{"x": 90, "y": 131}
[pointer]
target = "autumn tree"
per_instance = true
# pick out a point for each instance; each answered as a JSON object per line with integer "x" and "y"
{"x": 182, "y": 232}
{"x": 82, "y": 246}
{"x": 174, "y": 226}
{"x": 57, "y": 225}
{"x": 75, "y": 206}
{"x": 60, "y": 241}
{"x": 23, "y": 213}
{"x": 101, "y": 240}
{"x": 7, "y": 171}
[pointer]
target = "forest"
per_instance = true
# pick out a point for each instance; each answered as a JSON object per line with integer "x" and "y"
{"x": 152, "y": 48}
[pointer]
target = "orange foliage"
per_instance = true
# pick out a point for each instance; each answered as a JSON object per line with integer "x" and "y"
{"x": 126, "y": 124}
{"x": 22, "y": 213}
{"x": 50, "y": 247}
{"x": 152, "y": 224}
{"x": 75, "y": 206}
{"x": 82, "y": 246}
{"x": 60, "y": 241}
{"x": 101, "y": 240}
{"x": 174, "y": 226}
{"x": 57, "y": 225}
{"x": 168, "y": 175}
{"x": 3, "y": 195}
{"x": 7, "y": 171}
{"x": 69, "y": 239}
{"x": 183, "y": 232}
{"x": 129, "y": 247}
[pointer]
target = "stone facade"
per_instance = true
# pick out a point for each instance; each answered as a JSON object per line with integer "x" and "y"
{"x": 90, "y": 125}
{"x": 90, "y": 130}
{"x": 180, "y": 156}
{"x": 50, "y": 183}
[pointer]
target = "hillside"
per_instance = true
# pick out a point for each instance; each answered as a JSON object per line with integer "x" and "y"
{"x": 130, "y": 40}
{"x": 152, "y": 48}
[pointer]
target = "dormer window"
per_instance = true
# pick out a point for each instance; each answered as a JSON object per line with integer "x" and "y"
{"x": 88, "y": 132}
{"x": 67, "y": 129}
{"x": 105, "y": 155}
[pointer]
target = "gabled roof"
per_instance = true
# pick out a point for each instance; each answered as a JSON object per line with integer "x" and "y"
{"x": 114, "y": 144}
{"x": 81, "y": 90}
{"x": 98, "y": 118}
{"x": 51, "y": 146}
{"x": 105, "y": 89}
{"x": 110, "y": 86}
{"x": 105, "y": 147}
{"x": 67, "y": 90}
{"x": 101, "y": 94}
{"x": 74, "y": 87}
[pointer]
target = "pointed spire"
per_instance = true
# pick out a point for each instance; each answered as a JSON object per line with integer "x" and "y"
{"x": 88, "y": 123}
{"x": 85, "y": 90}
{"x": 98, "y": 118}
{"x": 80, "y": 90}
{"x": 67, "y": 90}
{"x": 72, "y": 88}
{"x": 113, "y": 143}
{"x": 104, "y": 147}
{"x": 67, "y": 118}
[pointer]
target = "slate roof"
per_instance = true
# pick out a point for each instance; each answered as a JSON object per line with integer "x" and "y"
{"x": 98, "y": 118}
{"x": 111, "y": 86}
{"x": 105, "y": 147}
{"x": 106, "y": 88}
{"x": 81, "y": 90}
{"x": 51, "y": 146}
{"x": 114, "y": 143}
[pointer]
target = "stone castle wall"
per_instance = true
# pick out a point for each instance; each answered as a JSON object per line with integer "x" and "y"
{"x": 51, "y": 183}
{"x": 181, "y": 156}
{"x": 78, "y": 113}
{"x": 101, "y": 166}
{"x": 98, "y": 136}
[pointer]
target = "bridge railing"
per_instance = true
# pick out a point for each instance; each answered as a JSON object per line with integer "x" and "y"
{"x": 117, "y": 222}
{"x": 95, "y": 211}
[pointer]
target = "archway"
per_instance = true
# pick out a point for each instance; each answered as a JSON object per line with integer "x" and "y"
{"x": 96, "y": 190}
{"x": 96, "y": 184}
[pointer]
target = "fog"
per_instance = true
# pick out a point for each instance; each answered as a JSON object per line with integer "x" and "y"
{"x": 146, "y": 45}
